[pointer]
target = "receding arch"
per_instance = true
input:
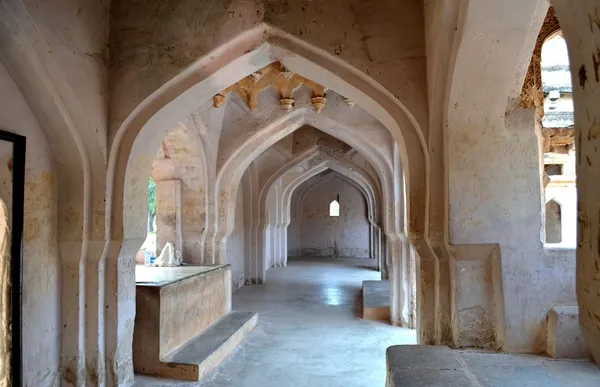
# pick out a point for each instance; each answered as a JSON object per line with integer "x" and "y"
{"x": 147, "y": 124}
{"x": 220, "y": 69}
{"x": 353, "y": 174}
{"x": 234, "y": 167}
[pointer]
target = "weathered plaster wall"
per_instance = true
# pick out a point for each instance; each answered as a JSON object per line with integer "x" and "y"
{"x": 494, "y": 169}
{"x": 41, "y": 264}
{"x": 57, "y": 54}
{"x": 348, "y": 233}
{"x": 185, "y": 161}
{"x": 235, "y": 244}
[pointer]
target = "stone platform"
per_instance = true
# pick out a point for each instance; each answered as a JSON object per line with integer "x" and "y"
{"x": 184, "y": 326}
{"x": 376, "y": 300}
{"x": 439, "y": 366}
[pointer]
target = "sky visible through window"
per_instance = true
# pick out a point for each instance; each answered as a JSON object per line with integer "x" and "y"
{"x": 334, "y": 208}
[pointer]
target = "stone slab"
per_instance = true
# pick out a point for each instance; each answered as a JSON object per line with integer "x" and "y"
{"x": 428, "y": 378}
{"x": 376, "y": 300}
{"x": 422, "y": 356}
{"x": 163, "y": 276}
{"x": 205, "y": 352}
{"x": 421, "y": 365}
{"x": 528, "y": 376}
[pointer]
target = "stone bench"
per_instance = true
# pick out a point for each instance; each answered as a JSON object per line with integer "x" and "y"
{"x": 184, "y": 326}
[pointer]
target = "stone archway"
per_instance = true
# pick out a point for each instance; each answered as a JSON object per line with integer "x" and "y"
{"x": 350, "y": 172}
{"x": 207, "y": 77}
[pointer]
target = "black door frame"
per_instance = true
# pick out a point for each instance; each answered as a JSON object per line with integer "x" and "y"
{"x": 16, "y": 252}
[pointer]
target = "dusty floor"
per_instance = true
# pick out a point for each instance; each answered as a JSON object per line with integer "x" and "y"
{"x": 309, "y": 333}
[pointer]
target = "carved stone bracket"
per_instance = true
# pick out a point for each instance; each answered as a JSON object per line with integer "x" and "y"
{"x": 280, "y": 78}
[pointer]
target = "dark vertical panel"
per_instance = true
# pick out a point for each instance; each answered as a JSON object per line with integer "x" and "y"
{"x": 18, "y": 212}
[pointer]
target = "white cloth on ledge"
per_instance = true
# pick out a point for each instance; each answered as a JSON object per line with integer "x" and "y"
{"x": 168, "y": 257}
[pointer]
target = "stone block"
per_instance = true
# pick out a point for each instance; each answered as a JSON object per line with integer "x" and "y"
{"x": 376, "y": 300}
{"x": 564, "y": 338}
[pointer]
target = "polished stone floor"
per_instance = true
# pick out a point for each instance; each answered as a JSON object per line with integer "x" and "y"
{"x": 309, "y": 332}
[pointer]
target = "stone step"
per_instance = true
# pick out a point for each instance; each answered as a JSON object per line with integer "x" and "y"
{"x": 376, "y": 300}
{"x": 206, "y": 351}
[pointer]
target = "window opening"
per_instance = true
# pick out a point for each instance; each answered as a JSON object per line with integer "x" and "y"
{"x": 553, "y": 169}
{"x": 334, "y": 207}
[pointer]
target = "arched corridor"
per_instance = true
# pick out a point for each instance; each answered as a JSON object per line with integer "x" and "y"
{"x": 445, "y": 152}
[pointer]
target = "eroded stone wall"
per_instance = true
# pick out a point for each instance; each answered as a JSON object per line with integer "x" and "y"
{"x": 41, "y": 264}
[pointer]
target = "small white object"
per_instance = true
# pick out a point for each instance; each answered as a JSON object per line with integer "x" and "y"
{"x": 147, "y": 258}
{"x": 168, "y": 257}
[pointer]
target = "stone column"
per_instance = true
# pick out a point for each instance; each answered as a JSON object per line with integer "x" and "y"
{"x": 580, "y": 22}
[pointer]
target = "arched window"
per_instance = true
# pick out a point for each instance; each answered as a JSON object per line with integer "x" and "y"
{"x": 334, "y": 208}
{"x": 556, "y": 83}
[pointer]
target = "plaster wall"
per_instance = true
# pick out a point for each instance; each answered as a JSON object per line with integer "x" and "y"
{"x": 494, "y": 161}
{"x": 496, "y": 197}
{"x": 383, "y": 39}
{"x": 187, "y": 163}
{"x": 348, "y": 233}
{"x": 235, "y": 243}
{"x": 41, "y": 263}
{"x": 76, "y": 32}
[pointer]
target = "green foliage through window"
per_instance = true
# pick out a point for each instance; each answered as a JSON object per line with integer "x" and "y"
{"x": 152, "y": 196}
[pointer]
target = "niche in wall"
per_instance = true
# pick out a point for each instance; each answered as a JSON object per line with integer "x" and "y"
{"x": 553, "y": 222}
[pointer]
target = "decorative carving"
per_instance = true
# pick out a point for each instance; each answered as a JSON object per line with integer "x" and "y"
{"x": 281, "y": 79}
{"x": 218, "y": 100}
{"x": 318, "y": 103}
{"x": 287, "y": 103}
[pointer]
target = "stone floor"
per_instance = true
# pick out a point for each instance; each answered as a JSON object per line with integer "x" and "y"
{"x": 309, "y": 332}
{"x": 438, "y": 366}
